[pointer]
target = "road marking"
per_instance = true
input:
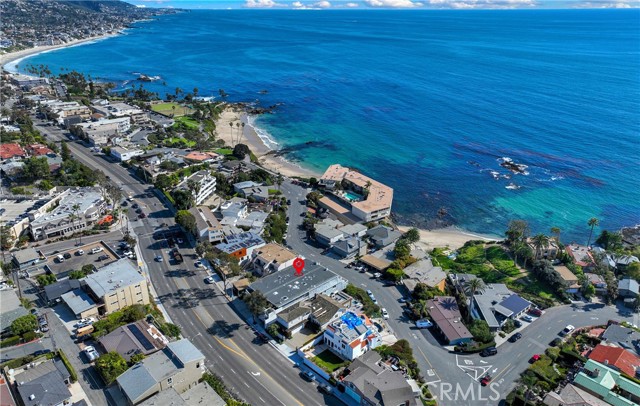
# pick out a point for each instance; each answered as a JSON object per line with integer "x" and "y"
{"x": 261, "y": 399}
{"x": 483, "y": 361}
{"x": 427, "y": 359}
{"x": 505, "y": 368}
{"x": 232, "y": 370}
{"x": 246, "y": 384}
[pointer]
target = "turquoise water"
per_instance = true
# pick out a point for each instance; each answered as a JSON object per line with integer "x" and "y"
{"x": 425, "y": 101}
{"x": 352, "y": 196}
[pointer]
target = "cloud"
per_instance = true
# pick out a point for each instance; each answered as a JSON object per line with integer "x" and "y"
{"x": 607, "y": 4}
{"x": 351, "y": 5}
{"x": 322, "y": 4}
{"x": 260, "y": 3}
{"x": 393, "y": 3}
{"x": 481, "y": 4}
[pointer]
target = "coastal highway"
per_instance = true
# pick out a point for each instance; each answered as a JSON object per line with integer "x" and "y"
{"x": 257, "y": 372}
{"x": 438, "y": 366}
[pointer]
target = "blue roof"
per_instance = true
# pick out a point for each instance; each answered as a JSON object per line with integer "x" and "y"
{"x": 515, "y": 303}
{"x": 351, "y": 320}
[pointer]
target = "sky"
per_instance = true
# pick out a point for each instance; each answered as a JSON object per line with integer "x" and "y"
{"x": 385, "y": 4}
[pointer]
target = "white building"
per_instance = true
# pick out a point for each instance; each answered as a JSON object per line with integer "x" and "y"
{"x": 208, "y": 228}
{"x": 77, "y": 209}
{"x": 205, "y": 185}
{"x": 272, "y": 258}
{"x": 351, "y": 336}
{"x": 123, "y": 154}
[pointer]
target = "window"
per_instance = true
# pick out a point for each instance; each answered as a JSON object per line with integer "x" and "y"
{"x": 169, "y": 381}
{"x": 198, "y": 365}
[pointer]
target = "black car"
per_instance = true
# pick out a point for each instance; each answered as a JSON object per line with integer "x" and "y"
{"x": 124, "y": 204}
{"x": 67, "y": 255}
{"x": 487, "y": 352}
{"x": 515, "y": 337}
{"x": 262, "y": 336}
{"x": 135, "y": 205}
{"x": 517, "y": 323}
{"x": 103, "y": 257}
{"x": 138, "y": 210}
{"x": 309, "y": 376}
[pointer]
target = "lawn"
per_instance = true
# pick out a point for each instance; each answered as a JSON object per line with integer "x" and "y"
{"x": 224, "y": 151}
{"x": 176, "y": 141}
{"x": 546, "y": 368}
{"x": 186, "y": 121}
{"x": 168, "y": 110}
{"x": 329, "y": 361}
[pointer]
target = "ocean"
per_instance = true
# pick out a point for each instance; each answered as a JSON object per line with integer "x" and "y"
{"x": 428, "y": 102}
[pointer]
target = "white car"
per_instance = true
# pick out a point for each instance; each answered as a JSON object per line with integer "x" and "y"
{"x": 159, "y": 258}
{"x": 209, "y": 279}
{"x": 568, "y": 330}
{"x": 85, "y": 322}
{"x": 385, "y": 314}
{"x": 96, "y": 250}
{"x": 91, "y": 352}
{"x": 80, "y": 252}
{"x": 370, "y": 293}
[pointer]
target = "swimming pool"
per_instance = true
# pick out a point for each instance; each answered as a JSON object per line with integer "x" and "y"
{"x": 352, "y": 196}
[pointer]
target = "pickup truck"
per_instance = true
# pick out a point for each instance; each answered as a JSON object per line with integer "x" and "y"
{"x": 177, "y": 255}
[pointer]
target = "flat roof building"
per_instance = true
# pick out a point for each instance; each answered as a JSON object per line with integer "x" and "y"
{"x": 446, "y": 315}
{"x": 272, "y": 258}
{"x": 117, "y": 285}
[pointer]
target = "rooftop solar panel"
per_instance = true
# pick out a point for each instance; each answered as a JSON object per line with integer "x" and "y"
{"x": 139, "y": 335}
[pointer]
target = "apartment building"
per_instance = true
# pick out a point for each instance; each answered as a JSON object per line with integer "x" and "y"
{"x": 351, "y": 336}
{"x": 204, "y": 185}
{"x": 117, "y": 285}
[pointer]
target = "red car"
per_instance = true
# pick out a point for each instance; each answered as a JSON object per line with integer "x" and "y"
{"x": 485, "y": 380}
{"x": 536, "y": 312}
{"x": 534, "y": 358}
{"x": 142, "y": 215}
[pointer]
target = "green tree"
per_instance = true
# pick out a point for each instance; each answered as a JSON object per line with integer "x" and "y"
{"x": 65, "y": 153}
{"x": 539, "y": 242}
{"x": 610, "y": 241}
{"x": 633, "y": 270}
{"x": 556, "y": 232}
{"x": 183, "y": 199}
{"x": 593, "y": 222}
{"x": 256, "y": 302}
{"x": 412, "y": 235}
{"x": 240, "y": 151}
{"x": 394, "y": 274}
{"x": 480, "y": 331}
{"x": 110, "y": 366}
{"x": 45, "y": 185}
{"x": 36, "y": 168}
{"x": 402, "y": 249}
{"x": 186, "y": 220}
{"x": 6, "y": 238}
{"x": 24, "y": 324}
{"x": 135, "y": 358}
{"x": 163, "y": 182}
{"x": 77, "y": 274}
{"x": 475, "y": 285}
{"x": 588, "y": 290}
{"x": 170, "y": 330}
{"x": 46, "y": 279}
{"x": 517, "y": 231}
{"x": 612, "y": 286}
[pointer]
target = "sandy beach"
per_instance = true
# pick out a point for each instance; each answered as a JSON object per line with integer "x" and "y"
{"x": 451, "y": 237}
{"x": 19, "y": 55}
{"x": 231, "y": 135}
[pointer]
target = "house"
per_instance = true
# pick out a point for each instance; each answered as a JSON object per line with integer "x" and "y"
{"x": 571, "y": 395}
{"x": 26, "y": 82}
{"x": 375, "y": 263}
{"x": 369, "y": 382}
{"x": 117, "y": 285}
{"x": 445, "y": 313}
{"x": 100, "y": 132}
{"x": 382, "y": 236}
{"x": 570, "y": 280}
{"x": 349, "y": 248}
{"x": 549, "y": 252}
{"x": 423, "y": 271}
{"x": 208, "y": 228}
{"x": 201, "y": 394}
{"x": 621, "y": 336}
{"x": 38, "y": 150}
{"x": 240, "y": 186}
{"x": 581, "y": 255}
{"x": 134, "y": 338}
{"x": 327, "y": 233}
{"x": 53, "y": 292}
{"x": 294, "y": 318}
{"x": 368, "y": 199}
{"x": 285, "y": 288}
{"x": 10, "y": 308}
{"x": 10, "y": 151}
{"x": 27, "y": 258}
{"x": 628, "y": 288}
{"x": 233, "y": 210}
{"x": 123, "y": 154}
{"x": 272, "y": 258}
{"x": 616, "y": 358}
{"x": 606, "y": 384}
{"x": 353, "y": 230}
{"x": 241, "y": 245}
{"x": 203, "y": 157}
{"x": 496, "y": 304}
{"x": 598, "y": 282}
{"x": 204, "y": 185}
{"x": 77, "y": 210}
{"x": 254, "y": 221}
{"x": 257, "y": 193}
{"x": 45, "y": 384}
{"x": 623, "y": 262}
{"x": 351, "y": 335}
{"x": 80, "y": 303}
{"x": 180, "y": 365}
{"x": 324, "y": 310}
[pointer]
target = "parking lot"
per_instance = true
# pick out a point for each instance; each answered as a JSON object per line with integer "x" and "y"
{"x": 76, "y": 262}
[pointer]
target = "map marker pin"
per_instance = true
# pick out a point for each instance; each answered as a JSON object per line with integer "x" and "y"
{"x": 298, "y": 265}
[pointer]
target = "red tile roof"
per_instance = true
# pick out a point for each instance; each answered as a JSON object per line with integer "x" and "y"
{"x": 39, "y": 149}
{"x": 622, "y": 359}
{"x": 10, "y": 150}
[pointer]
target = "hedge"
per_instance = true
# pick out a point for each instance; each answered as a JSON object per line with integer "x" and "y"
{"x": 29, "y": 336}
{"x": 18, "y": 362}
{"x": 475, "y": 348}
{"x": 72, "y": 372}
{"x": 572, "y": 356}
{"x": 11, "y": 341}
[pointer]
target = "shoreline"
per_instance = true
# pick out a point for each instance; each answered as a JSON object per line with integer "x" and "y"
{"x": 451, "y": 237}
{"x": 14, "y": 58}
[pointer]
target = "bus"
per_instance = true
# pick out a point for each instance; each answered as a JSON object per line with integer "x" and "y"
{"x": 84, "y": 331}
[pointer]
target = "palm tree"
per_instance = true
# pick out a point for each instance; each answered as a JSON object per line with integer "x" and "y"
{"x": 592, "y": 223}
{"x": 556, "y": 232}
{"x": 76, "y": 208}
{"x": 422, "y": 308}
{"x": 194, "y": 187}
{"x": 539, "y": 241}
{"x": 231, "y": 126}
{"x": 475, "y": 285}
{"x": 279, "y": 180}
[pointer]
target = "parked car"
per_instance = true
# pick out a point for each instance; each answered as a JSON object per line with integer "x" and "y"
{"x": 485, "y": 380}
{"x": 142, "y": 215}
{"x": 423, "y": 323}
{"x": 95, "y": 250}
{"x": 59, "y": 258}
{"x": 487, "y": 352}
{"x": 67, "y": 255}
{"x": 135, "y": 206}
{"x": 262, "y": 336}
{"x": 124, "y": 203}
{"x": 85, "y": 321}
{"x": 517, "y": 323}
{"x": 159, "y": 258}
{"x": 385, "y": 314}
{"x": 309, "y": 376}
{"x": 324, "y": 388}
{"x": 44, "y": 327}
{"x": 567, "y": 330}
{"x": 369, "y": 292}
{"x": 534, "y": 358}
{"x": 197, "y": 264}
{"x": 536, "y": 312}
{"x": 208, "y": 279}
{"x": 103, "y": 257}
{"x": 528, "y": 318}
{"x": 80, "y": 252}
{"x": 91, "y": 353}
{"x": 180, "y": 240}
{"x": 404, "y": 300}
{"x": 138, "y": 210}
{"x": 515, "y": 337}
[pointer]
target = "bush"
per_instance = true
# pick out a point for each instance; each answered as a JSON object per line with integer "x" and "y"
{"x": 370, "y": 309}
{"x": 24, "y": 324}
{"x": 480, "y": 331}
{"x": 110, "y": 366}
{"x": 18, "y": 362}
{"x": 219, "y": 387}
{"x": 170, "y": 330}
{"x": 29, "y": 336}
{"x": 11, "y": 341}
{"x": 72, "y": 372}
